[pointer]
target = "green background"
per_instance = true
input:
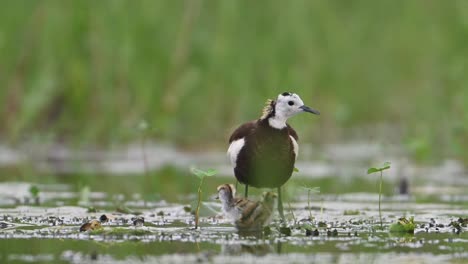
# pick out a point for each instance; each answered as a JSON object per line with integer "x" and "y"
{"x": 88, "y": 72}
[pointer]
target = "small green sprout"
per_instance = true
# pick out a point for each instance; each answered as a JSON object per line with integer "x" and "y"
{"x": 312, "y": 190}
{"x": 403, "y": 226}
{"x": 371, "y": 170}
{"x": 292, "y": 213}
{"x": 34, "y": 191}
{"x": 201, "y": 175}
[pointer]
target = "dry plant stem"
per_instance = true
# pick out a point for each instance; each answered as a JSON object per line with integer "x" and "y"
{"x": 380, "y": 197}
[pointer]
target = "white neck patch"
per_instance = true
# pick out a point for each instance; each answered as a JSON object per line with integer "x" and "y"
{"x": 277, "y": 122}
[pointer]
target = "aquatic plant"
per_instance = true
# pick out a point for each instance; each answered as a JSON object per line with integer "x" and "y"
{"x": 403, "y": 225}
{"x": 351, "y": 212}
{"x": 292, "y": 213}
{"x": 310, "y": 191}
{"x": 371, "y": 170}
{"x": 34, "y": 191}
{"x": 201, "y": 175}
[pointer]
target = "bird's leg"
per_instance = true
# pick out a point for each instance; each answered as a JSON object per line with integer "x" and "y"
{"x": 246, "y": 190}
{"x": 280, "y": 205}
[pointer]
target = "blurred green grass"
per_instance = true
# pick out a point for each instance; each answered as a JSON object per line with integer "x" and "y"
{"x": 175, "y": 185}
{"x": 88, "y": 71}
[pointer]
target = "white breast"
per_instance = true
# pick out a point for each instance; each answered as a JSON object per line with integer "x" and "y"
{"x": 234, "y": 149}
{"x": 295, "y": 146}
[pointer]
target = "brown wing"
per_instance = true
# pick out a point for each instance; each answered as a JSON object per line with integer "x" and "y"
{"x": 243, "y": 131}
{"x": 292, "y": 132}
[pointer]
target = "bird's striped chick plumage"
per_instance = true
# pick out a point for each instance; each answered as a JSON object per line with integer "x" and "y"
{"x": 245, "y": 214}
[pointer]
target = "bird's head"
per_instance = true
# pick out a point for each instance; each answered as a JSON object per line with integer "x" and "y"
{"x": 269, "y": 199}
{"x": 285, "y": 106}
{"x": 289, "y": 104}
{"x": 226, "y": 192}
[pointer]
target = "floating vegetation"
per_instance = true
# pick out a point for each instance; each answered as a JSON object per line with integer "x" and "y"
{"x": 172, "y": 225}
{"x": 121, "y": 232}
{"x": 310, "y": 232}
{"x": 285, "y": 230}
{"x": 126, "y": 210}
{"x": 165, "y": 230}
{"x": 403, "y": 225}
{"x": 92, "y": 209}
{"x": 351, "y": 212}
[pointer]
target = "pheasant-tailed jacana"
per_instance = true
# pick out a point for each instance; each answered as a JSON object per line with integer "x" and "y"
{"x": 263, "y": 151}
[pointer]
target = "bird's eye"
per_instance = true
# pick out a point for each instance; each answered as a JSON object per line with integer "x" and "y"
{"x": 290, "y": 103}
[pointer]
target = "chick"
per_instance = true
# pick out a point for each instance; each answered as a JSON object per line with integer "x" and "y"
{"x": 244, "y": 213}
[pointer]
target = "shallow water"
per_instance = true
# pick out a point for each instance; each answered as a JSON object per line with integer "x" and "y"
{"x": 46, "y": 228}
{"x": 51, "y": 234}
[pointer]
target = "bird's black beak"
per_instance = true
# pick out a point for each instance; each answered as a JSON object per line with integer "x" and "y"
{"x": 310, "y": 110}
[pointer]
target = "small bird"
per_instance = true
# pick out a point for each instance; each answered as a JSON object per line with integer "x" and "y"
{"x": 246, "y": 215}
{"x": 263, "y": 151}
{"x": 91, "y": 225}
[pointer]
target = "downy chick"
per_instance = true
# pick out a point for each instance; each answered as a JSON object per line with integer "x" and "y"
{"x": 244, "y": 213}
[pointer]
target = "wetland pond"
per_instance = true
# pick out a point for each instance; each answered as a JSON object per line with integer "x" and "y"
{"x": 149, "y": 214}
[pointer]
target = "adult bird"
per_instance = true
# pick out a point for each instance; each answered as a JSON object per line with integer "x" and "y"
{"x": 263, "y": 151}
